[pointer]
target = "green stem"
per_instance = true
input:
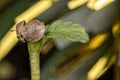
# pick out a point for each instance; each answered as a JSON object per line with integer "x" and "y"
{"x": 35, "y": 66}
{"x": 34, "y": 54}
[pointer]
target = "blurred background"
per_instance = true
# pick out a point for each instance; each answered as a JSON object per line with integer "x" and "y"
{"x": 61, "y": 59}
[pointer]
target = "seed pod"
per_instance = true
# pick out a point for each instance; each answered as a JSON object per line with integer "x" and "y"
{"x": 31, "y": 32}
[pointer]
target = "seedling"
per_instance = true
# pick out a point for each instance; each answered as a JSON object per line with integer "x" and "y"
{"x": 35, "y": 33}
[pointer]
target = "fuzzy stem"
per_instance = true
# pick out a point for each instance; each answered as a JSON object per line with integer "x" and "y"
{"x": 34, "y": 50}
{"x": 35, "y": 66}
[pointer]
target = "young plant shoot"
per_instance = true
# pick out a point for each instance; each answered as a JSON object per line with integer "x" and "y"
{"x": 34, "y": 33}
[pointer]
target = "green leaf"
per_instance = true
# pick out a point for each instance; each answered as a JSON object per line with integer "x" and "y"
{"x": 67, "y": 30}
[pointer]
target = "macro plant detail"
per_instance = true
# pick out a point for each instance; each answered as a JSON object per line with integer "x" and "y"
{"x": 44, "y": 58}
{"x": 35, "y": 33}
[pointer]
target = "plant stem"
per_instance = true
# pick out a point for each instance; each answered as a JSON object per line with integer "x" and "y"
{"x": 35, "y": 66}
{"x": 34, "y": 50}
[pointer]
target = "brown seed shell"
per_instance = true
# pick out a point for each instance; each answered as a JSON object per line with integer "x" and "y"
{"x": 31, "y": 32}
